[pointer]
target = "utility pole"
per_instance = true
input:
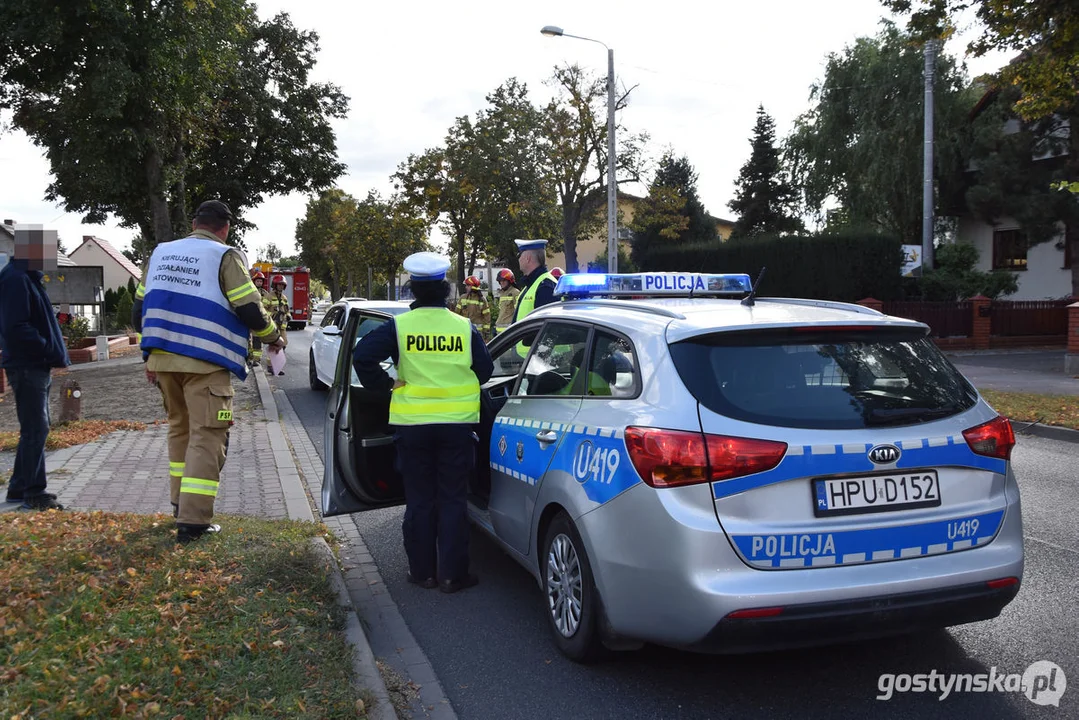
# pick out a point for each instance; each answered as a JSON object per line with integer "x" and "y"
{"x": 927, "y": 158}
{"x": 370, "y": 281}
{"x": 612, "y": 181}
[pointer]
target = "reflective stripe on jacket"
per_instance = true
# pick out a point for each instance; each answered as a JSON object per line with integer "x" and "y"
{"x": 435, "y": 362}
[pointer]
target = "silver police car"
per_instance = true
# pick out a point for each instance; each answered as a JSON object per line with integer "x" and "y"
{"x": 679, "y": 463}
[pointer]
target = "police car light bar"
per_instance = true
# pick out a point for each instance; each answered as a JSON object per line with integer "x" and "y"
{"x": 652, "y": 284}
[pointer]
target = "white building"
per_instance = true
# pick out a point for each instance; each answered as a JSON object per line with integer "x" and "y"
{"x": 95, "y": 251}
{"x": 1043, "y": 271}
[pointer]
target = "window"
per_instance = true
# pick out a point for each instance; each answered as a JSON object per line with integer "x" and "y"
{"x": 508, "y": 362}
{"x": 555, "y": 364}
{"x": 367, "y": 324}
{"x": 332, "y": 316}
{"x": 822, "y": 380}
{"x": 612, "y": 371}
{"x": 1009, "y": 250}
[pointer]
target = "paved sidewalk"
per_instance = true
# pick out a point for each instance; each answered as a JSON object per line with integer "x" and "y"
{"x": 127, "y": 471}
{"x": 1031, "y": 371}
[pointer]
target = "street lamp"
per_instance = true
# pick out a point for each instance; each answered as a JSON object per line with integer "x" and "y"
{"x": 612, "y": 182}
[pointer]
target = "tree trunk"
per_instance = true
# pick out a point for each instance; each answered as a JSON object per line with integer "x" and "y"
{"x": 459, "y": 241}
{"x": 570, "y": 215}
{"x": 472, "y": 259}
{"x": 180, "y": 222}
{"x": 158, "y": 204}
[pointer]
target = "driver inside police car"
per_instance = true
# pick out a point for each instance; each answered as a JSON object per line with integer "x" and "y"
{"x": 441, "y": 362}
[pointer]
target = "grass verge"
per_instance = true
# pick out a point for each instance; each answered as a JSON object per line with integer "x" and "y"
{"x": 104, "y": 615}
{"x": 73, "y": 433}
{"x": 1060, "y": 410}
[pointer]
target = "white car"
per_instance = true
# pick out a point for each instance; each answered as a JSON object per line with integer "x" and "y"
{"x": 326, "y": 344}
{"x": 323, "y": 305}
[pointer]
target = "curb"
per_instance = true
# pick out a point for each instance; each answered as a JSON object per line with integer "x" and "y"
{"x": 1049, "y": 432}
{"x": 364, "y": 669}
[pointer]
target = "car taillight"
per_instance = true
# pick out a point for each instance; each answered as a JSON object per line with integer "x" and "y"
{"x": 994, "y": 438}
{"x": 672, "y": 458}
{"x": 731, "y": 457}
{"x": 667, "y": 458}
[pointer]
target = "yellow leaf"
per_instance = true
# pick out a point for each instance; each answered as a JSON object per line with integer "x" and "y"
{"x": 132, "y": 572}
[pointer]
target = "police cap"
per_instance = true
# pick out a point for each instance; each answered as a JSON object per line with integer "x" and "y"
{"x": 426, "y": 266}
{"x": 523, "y": 245}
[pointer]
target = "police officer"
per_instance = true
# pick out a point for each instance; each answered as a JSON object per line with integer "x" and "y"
{"x": 441, "y": 362}
{"x": 194, "y": 307}
{"x": 507, "y": 300}
{"x": 538, "y": 284}
{"x": 473, "y": 305}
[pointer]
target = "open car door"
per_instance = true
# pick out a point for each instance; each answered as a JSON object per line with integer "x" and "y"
{"x": 360, "y": 457}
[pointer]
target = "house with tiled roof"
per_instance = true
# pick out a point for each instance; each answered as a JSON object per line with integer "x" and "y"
{"x": 97, "y": 251}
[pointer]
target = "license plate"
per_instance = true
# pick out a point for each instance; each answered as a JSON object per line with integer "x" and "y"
{"x": 876, "y": 493}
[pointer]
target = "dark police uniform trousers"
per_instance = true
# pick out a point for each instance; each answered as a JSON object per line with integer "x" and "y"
{"x": 436, "y": 463}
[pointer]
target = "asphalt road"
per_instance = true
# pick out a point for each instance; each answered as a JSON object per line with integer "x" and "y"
{"x": 491, "y": 650}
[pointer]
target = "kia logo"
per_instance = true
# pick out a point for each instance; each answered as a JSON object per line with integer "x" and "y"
{"x": 884, "y": 454}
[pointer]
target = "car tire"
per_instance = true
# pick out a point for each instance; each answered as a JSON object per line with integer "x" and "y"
{"x": 312, "y": 374}
{"x": 566, "y": 575}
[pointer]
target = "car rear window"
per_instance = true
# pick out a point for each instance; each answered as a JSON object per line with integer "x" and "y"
{"x": 812, "y": 378}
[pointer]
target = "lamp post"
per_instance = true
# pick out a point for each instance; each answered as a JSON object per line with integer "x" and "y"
{"x": 612, "y": 182}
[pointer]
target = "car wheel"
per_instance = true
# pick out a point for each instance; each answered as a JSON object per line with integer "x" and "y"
{"x": 570, "y": 596}
{"x": 312, "y": 375}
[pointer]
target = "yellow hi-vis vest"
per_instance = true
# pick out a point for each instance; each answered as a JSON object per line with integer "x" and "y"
{"x": 434, "y": 350}
{"x": 526, "y": 301}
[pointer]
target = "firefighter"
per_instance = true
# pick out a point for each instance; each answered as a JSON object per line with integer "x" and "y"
{"x": 441, "y": 362}
{"x": 473, "y": 305}
{"x": 254, "y": 347}
{"x": 193, "y": 336}
{"x": 276, "y": 303}
{"x": 507, "y": 300}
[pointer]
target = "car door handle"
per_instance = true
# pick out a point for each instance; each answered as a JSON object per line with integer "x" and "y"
{"x": 547, "y": 436}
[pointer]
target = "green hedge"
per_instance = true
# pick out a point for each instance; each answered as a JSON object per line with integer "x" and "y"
{"x": 846, "y": 267}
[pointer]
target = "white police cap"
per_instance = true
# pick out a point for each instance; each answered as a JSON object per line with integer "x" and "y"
{"x": 523, "y": 245}
{"x": 423, "y": 266}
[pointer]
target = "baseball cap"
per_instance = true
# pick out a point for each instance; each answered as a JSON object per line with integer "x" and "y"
{"x": 214, "y": 209}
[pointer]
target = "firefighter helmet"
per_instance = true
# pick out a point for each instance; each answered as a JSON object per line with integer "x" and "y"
{"x": 472, "y": 281}
{"x": 277, "y": 279}
{"x": 505, "y": 274}
{"x": 258, "y": 276}
{"x": 557, "y": 272}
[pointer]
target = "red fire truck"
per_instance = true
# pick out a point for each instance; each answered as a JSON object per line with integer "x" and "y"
{"x": 297, "y": 288}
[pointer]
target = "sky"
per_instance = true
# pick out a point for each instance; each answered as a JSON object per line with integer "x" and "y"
{"x": 699, "y": 71}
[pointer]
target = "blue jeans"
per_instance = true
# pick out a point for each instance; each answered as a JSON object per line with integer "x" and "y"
{"x": 31, "y": 388}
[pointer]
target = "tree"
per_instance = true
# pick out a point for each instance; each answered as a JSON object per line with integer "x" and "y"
{"x": 575, "y": 127}
{"x": 954, "y": 277}
{"x": 764, "y": 198}
{"x": 861, "y": 144}
{"x": 189, "y": 100}
{"x": 273, "y": 253}
{"x": 1044, "y": 33}
{"x": 489, "y": 184}
{"x": 672, "y": 212}
{"x": 124, "y": 303}
{"x": 511, "y": 170}
{"x": 322, "y": 235}
{"x": 140, "y": 250}
{"x": 437, "y": 187}
{"x": 1018, "y": 166}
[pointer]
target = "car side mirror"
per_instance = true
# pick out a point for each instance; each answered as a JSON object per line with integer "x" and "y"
{"x": 331, "y": 330}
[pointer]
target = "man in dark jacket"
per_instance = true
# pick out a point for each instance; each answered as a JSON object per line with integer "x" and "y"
{"x": 32, "y": 346}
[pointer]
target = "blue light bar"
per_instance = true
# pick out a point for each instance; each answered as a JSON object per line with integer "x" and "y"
{"x": 652, "y": 284}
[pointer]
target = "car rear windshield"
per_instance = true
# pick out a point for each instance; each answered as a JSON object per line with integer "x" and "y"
{"x": 818, "y": 378}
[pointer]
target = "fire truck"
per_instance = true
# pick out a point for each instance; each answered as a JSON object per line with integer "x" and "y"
{"x": 297, "y": 289}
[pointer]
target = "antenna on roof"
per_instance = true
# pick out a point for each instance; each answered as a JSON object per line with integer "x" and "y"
{"x": 748, "y": 299}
